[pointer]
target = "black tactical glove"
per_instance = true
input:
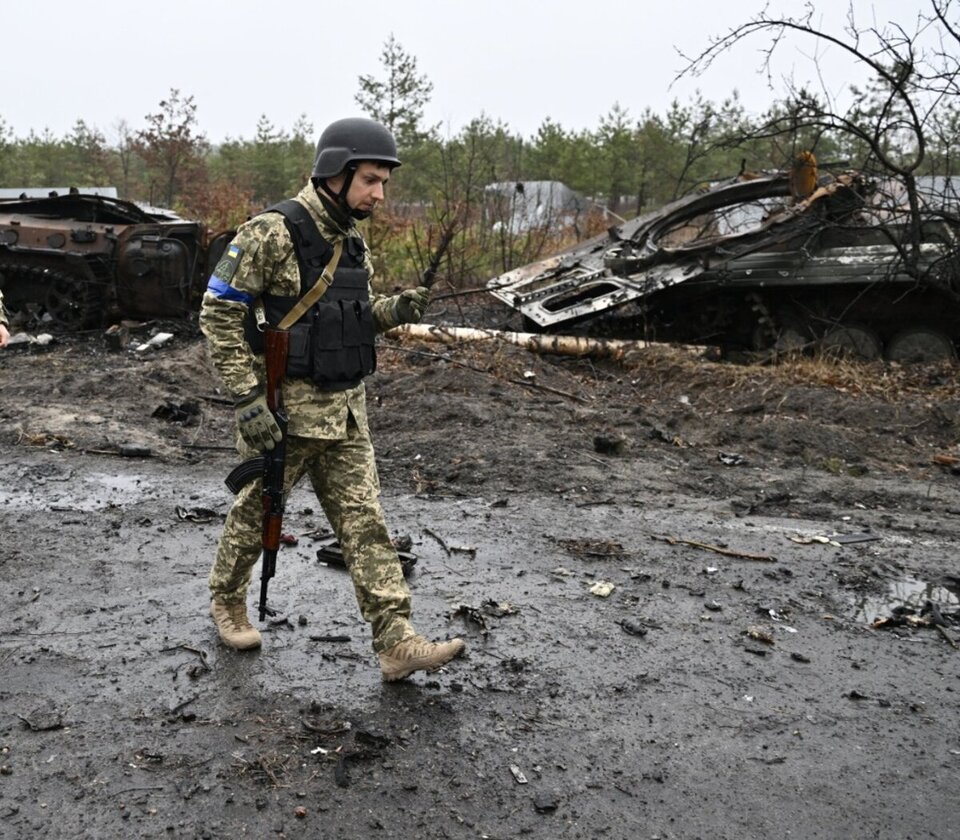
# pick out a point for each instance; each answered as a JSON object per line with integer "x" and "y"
{"x": 410, "y": 304}
{"x": 256, "y": 422}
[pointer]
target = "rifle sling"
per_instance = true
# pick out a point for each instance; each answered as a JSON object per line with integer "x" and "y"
{"x": 324, "y": 281}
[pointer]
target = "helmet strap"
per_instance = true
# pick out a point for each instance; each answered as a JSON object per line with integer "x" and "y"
{"x": 339, "y": 214}
{"x": 340, "y": 198}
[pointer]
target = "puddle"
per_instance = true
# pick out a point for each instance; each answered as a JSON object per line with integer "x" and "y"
{"x": 96, "y": 491}
{"x": 129, "y": 487}
{"x": 903, "y": 592}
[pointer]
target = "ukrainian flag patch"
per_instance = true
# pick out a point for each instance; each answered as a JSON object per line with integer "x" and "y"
{"x": 229, "y": 263}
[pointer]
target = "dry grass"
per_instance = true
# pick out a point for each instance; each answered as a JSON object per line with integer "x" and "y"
{"x": 883, "y": 380}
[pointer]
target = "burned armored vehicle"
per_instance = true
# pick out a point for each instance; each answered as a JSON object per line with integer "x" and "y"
{"x": 72, "y": 261}
{"x": 755, "y": 265}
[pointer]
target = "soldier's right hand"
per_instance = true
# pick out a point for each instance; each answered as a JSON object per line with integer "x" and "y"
{"x": 256, "y": 422}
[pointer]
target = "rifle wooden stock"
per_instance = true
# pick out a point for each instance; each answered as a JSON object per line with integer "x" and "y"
{"x": 276, "y": 347}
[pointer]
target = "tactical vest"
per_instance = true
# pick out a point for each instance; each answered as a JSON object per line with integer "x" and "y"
{"x": 333, "y": 343}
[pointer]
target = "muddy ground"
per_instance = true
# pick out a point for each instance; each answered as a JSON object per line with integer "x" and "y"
{"x": 751, "y": 523}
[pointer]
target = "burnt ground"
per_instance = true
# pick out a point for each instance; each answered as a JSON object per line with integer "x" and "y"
{"x": 755, "y": 522}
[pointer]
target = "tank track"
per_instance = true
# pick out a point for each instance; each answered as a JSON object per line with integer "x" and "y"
{"x": 50, "y": 293}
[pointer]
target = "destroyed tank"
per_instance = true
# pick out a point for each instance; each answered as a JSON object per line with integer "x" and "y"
{"x": 73, "y": 261}
{"x": 750, "y": 265}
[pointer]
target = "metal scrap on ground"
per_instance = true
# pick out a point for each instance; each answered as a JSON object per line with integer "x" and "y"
{"x": 753, "y": 265}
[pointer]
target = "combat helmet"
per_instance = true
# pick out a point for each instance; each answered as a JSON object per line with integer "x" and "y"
{"x": 351, "y": 140}
{"x": 343, "y": 145}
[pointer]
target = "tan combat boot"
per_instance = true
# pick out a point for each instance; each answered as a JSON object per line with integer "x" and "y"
{"x": 417, "y": 654}
{"x": 234, "y": 627}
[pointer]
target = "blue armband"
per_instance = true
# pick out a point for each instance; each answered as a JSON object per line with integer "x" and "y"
{"x": 224, "y": 291}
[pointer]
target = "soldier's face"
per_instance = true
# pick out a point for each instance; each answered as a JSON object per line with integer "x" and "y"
{"x": 366, "y": 189}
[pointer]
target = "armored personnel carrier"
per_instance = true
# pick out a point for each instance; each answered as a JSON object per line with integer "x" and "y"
{"x": 758, "y": 265}
{"x": 72, "y": 261}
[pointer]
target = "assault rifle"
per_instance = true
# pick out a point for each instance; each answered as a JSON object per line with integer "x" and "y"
{"x": 269, "y": 466}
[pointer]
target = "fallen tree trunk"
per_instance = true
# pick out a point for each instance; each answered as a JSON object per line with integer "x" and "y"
{"x": 564, "y": 345}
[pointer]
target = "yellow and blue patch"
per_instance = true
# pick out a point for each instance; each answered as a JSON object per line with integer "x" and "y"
{"x": 229, "y": 263}
{"x": 219, "y": 283}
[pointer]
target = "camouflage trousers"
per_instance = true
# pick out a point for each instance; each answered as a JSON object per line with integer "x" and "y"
{"x": 344, "y": 477}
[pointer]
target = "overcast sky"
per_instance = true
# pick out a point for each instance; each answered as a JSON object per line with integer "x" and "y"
{"x": 518, "y": 61}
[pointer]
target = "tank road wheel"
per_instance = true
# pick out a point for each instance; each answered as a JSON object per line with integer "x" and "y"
{"x": 851, "y": 342}
{"x": 789, "y": 340}
{"x": 70, "y": 301}
{"x": 784, "y": 332}
{"x": 918, "y": 345}
{"x": 50, "y": 291}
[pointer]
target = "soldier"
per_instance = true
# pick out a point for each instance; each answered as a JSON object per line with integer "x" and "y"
{"x": 4, "y": 325}
{"x": 328, "y": 439}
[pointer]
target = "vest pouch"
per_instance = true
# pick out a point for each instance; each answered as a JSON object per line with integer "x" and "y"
{"x": 334, "y": 364}
{"x": 368, "y": 338}
{"x": 299, "y": 355}
{"x": 349, "y": 284}
{"x": 363, "y": 335}
{"x": 351, "y": 324}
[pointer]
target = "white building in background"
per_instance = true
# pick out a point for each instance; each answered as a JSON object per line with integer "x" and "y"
{"x": 521, "y": 206}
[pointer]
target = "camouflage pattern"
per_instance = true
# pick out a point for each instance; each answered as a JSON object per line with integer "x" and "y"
{"x": 3, "y": 313}
{"x": 328, "y": 436}
{"x": 268, "y": 264}
{"x": 344, "y": 477}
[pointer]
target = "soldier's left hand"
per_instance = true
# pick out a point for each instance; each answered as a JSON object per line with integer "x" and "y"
{"x": 411, "y": 304}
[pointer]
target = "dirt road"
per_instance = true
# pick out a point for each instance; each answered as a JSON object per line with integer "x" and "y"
{"x": 667, "y": 571}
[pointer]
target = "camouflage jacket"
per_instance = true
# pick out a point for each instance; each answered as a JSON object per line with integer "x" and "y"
{"x": 267, "y": 263}
{"x": 3, "y": 313}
